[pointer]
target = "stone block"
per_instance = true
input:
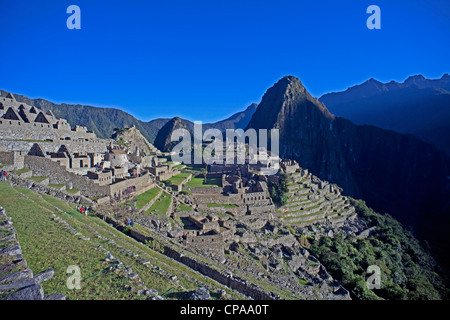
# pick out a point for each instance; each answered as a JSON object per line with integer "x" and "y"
{"x": 33, "y": 292}
{"x": 44, "y": 275}
{"x": 55, "y": 296}
{"x": 11, "y": 250}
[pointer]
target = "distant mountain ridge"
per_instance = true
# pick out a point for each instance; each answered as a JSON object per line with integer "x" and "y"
{"x": 103, "y": 121}
{"x": 418, "y": 106}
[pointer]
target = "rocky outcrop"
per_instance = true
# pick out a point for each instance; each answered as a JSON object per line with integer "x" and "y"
{"x": 163, "y": 138}
{"x": 134, "y": 142}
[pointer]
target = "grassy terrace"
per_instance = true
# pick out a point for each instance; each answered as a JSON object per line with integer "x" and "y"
{"x": 5, "y": 164}
{"x": 20, "y": 171}
{"x": 193, "y": 167}
{"x": 72, "y": 191}
{"x": 37, "y": 179}
{"x": 48, "y": 244}
{"x": 161, "y": 205}
{"x": 146, "y": 197}
{"x": 288, "y": 216}
{"x": 184, "y": 207}
{"x": 198, "y": 181}
{"x": 307, "y": 208}
{"x": 179, "y": 178}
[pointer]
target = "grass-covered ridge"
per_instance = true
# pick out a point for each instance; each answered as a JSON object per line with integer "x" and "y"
{"x": 408, "y": 272}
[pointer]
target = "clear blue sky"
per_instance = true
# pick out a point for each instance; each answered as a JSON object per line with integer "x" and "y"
{"x": 204, "y": 60}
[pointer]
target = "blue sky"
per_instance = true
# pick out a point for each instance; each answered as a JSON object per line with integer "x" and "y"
{"x": 205, "y": 60}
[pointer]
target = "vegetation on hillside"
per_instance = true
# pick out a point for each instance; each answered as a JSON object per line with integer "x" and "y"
{"x": 408, "y": 272}
{"x": 278, "y": 190}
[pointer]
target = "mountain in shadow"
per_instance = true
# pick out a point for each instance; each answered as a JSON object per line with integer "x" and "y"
{"x": 394, "y": 173}
{"x": 418, "y": 106}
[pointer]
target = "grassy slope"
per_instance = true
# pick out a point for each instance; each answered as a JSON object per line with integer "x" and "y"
{"x": 179, "y": 178}
{"x": 48, "y": 244}
{"x": 161, "y": 205}
{"x": 146, "y": 197}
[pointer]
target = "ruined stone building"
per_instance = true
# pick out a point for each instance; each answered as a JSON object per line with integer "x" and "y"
{"x": 21, "y": 121}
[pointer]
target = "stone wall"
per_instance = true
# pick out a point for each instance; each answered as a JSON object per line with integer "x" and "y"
{"x": 13, "y": 129}
{"x": 6, "y": 157}
{"x": 58, "y": 175}
{"x": 43, "y": 189}
{"x": 140, "y": 183}
{"x": 235, "y": 283}
{"x": 205, "y": 190}
{"x": 91, "y": 146}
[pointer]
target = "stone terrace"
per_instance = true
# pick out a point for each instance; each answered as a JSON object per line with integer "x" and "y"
{"x": 311, "y": 200}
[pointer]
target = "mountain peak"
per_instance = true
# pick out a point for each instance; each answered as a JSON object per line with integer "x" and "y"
{"x": 373, "y": 83}
{"x": 415, "y": 79}
{"x": 287, "y": 99}
{"x": 163, "y": 138}
{"x": 290, "y": 82}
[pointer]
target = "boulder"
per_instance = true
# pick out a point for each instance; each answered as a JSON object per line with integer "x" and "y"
{"x": 175, "y": 233}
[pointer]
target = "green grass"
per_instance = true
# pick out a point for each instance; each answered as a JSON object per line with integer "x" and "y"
{"x": 161, "y": 205}
{"x": 146, "y": 197}
{"x": 56, "y": 247}
{"x": 224, "y": 205}
{"x": 184, "y": 207}
{"x": 302, "y": 281}
{"x": 20, "y": 171}
{"x": 72, "y": 191}
{"x": 38, "y": 179}
{"x": 198, "y": 181}
{"x": 193, "y": 167}
{"x": 179, "y": 178}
